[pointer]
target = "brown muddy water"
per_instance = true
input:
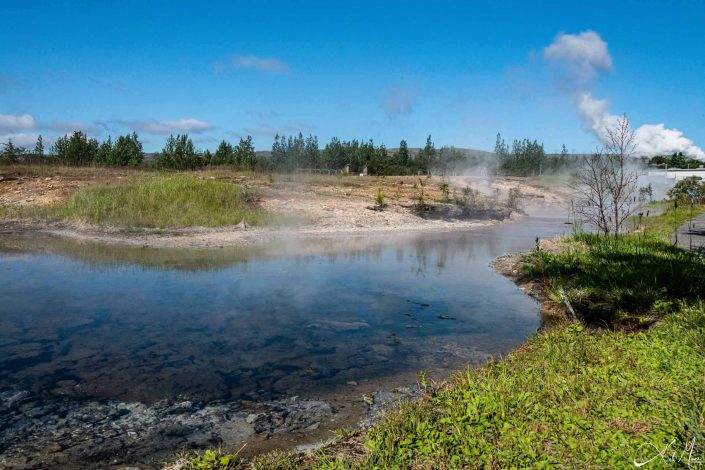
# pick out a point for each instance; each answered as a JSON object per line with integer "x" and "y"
{"x": 113, "y": 355}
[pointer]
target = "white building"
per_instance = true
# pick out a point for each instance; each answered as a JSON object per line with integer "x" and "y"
{"x": 678, "y": 174}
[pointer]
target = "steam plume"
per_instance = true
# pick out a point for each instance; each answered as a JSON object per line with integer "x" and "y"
{"x": 581, "y": 58}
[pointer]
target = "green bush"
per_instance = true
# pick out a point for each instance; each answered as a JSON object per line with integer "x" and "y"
{"x": 688, "y": 190}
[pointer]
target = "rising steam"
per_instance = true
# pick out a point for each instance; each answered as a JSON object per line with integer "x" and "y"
{"x": 579, "y": 59}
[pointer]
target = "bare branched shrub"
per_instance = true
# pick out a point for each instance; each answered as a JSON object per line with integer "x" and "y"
{"x": 606, "y": 185}
{"x": 514, "y": 198}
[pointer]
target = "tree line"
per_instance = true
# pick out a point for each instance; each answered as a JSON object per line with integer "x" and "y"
{"x": 676, "y": 160}
{"x": 178, "y": 153}
{"x": 288, "y": 154}
{"x": 294, "y": 153}
{"x": 528, "y": 158}
{"x": 78, "y": 149}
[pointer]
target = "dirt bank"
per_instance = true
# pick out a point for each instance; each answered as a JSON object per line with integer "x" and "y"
{"x": 310, "y": 205}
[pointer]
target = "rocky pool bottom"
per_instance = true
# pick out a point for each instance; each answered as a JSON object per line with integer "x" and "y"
{"x": 123, "y": 357}
{"x": 90, "y": 434}
{"x": 50, "y": 432}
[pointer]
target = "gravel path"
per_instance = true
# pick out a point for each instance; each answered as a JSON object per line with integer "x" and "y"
{"x": 691, "y": 236}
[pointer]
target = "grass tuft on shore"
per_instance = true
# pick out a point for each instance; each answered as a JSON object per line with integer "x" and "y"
{"x": 631, "y": 280}
{"x": 160, "y": 201}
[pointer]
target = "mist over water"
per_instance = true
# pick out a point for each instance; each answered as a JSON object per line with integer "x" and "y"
{"x": 262, "y": 327}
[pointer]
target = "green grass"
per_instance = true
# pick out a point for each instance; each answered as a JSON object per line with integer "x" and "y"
{"x": 570, "y": 397}
{"x": 157, "y": 201}
{"x": 629, "y": 280}
{"x": 664, "y": 225}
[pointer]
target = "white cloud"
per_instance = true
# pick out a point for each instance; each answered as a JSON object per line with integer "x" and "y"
{"x": 259, "y": 129}
{"x": 15, "y": 122}
{"x": 252, "y": 62}
{"x": 583, "y": 56}
{"x": 595, "y": 115}
{"x": 398, "y": 102}
{"x": 656, "y": 139}
{"x": 20, "y": 139}
{"x": 168, "y": 126}
{"x": 649, "y": 139}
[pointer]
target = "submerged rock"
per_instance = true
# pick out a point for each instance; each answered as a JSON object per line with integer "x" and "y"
{"x": 63, "y": 433}
{"x": 339, "y": 325}
{"x": 382, "y": 400}
{"x": 58, "y": 432}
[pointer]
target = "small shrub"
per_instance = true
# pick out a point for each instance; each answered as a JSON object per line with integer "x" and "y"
{"x": 380, "y": 199}
{"x": 445, "y": 190}
{"x": 514, "y": 198}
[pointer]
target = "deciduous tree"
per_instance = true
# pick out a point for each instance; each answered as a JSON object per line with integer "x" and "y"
{"x": 606, "y": 183}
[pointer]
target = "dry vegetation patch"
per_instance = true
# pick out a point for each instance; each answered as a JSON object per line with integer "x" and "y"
{"x": 53, "y": 198}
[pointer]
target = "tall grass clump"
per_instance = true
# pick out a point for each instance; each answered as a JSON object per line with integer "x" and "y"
{"x": 162, "y": 201}
{"x": 631, "y": 278}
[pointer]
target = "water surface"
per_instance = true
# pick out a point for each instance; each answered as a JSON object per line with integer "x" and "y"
{"x": 90, "y": 321}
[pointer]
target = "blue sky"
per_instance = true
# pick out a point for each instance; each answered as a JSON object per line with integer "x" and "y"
{"x": 461, "y": 71}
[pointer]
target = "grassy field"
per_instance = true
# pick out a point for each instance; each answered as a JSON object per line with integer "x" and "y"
{"x": 155, "y": 201}
{"x": 603, "y": 393}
